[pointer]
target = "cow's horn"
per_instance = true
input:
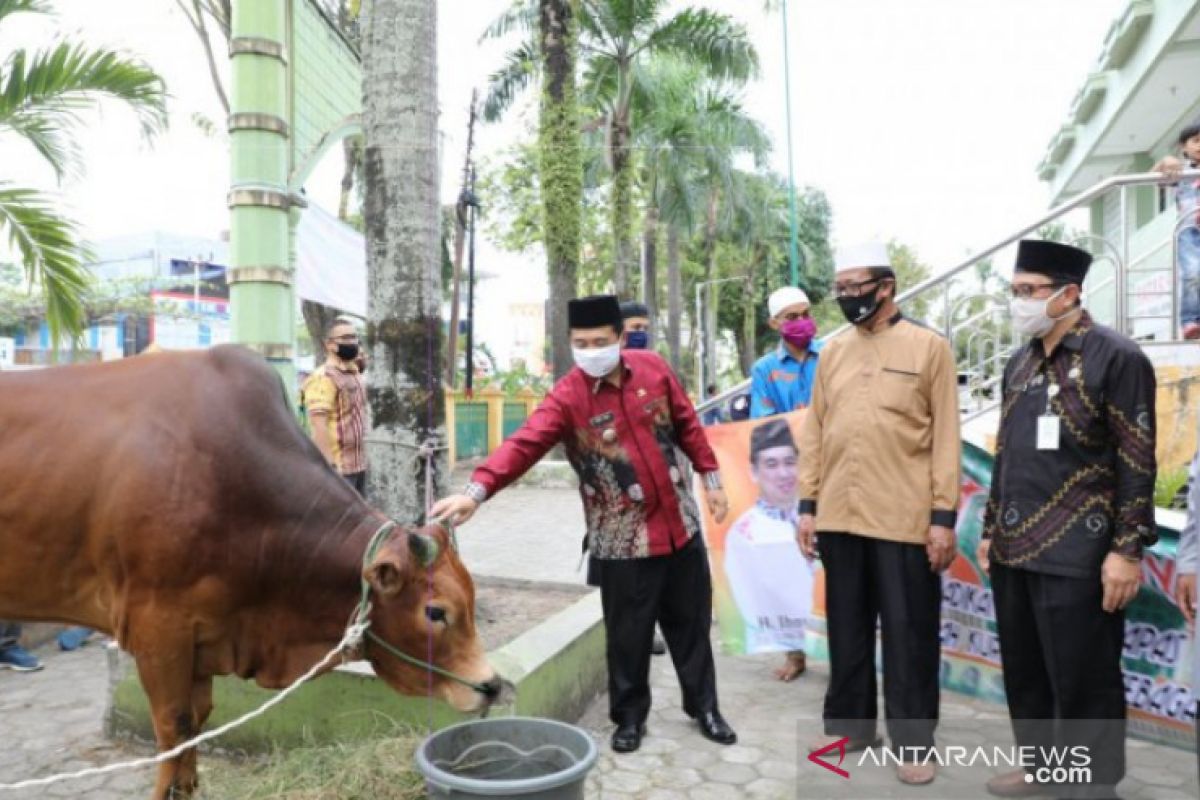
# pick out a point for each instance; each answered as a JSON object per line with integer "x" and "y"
{"x": 424, "y": 547}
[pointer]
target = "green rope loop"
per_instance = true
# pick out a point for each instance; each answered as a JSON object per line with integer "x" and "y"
{"x": 362, "y": 614}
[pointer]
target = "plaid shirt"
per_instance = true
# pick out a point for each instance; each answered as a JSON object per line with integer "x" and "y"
{"x": 339, "y": 395}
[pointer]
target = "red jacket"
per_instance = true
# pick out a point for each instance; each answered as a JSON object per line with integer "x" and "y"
{"x": 624, "y": 445}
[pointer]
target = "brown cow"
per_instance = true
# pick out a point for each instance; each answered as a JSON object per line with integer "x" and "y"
{"x": 173, "y": 502}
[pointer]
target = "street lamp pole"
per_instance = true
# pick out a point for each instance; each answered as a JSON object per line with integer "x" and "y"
{"x": 793, "y": 249}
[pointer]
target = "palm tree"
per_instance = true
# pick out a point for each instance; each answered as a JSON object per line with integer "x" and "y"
{"x": 43, "y": 95}
{"x": 560, "y": 165}
{"x": 693, "y": 130}
{"x": 404, "y": 269}
{"x": 617, "y": 38}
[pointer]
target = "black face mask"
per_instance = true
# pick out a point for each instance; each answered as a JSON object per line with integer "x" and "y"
{"x": 347, "y": 352}
{"x": 859, "y": 310}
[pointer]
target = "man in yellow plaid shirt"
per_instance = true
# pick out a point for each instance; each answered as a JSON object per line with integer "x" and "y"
{"x": 335, "y": 400}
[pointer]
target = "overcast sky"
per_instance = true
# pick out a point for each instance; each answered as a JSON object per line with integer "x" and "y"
{"x": 921, "y": 119}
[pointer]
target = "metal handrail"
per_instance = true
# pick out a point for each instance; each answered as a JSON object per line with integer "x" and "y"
{"x": 942, "y": 280}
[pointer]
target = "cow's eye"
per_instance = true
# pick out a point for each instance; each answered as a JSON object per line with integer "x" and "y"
{"x": 435, "y": 614}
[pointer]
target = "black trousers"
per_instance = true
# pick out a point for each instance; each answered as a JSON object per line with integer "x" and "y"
{"x": 867, "y": 580}
{"x": 675, "y": 590}
{"x": 1062, "y": 665}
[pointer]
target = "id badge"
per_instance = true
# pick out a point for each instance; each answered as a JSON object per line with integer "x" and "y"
{"x": 1049, "y": 429}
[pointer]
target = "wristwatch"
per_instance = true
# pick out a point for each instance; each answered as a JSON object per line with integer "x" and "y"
{"x": 712, "y": 481}
{"x": 475, "y": 491}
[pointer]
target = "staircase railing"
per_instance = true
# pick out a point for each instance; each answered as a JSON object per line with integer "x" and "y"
{"x": 984, "y": 337}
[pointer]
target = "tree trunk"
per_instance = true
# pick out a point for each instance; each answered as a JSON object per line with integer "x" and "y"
{"x": 560, "y": 167}
{"x": 317, "y": 319}
{"x": 674, "y": 300}
{"x": 650, "y": 268}
{"x": 352, "y": 156}
{"x": 404, "y": 298}
{"x": 749, "y": 315}
{"x": 622, "y": 202}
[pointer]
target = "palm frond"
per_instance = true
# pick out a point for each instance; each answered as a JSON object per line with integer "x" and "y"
{"x": 50, "y": 254}
{"x": 522, "y": 16}
{"x": 68, "y": 77}
{"x": 46, "y": 135}
{"x": 10, "y": 7}
{"x": 714, "y": 41}
{"x": 519, "y": 70}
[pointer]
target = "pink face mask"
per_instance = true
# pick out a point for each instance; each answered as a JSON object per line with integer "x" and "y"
{"x": 798, "y": 332}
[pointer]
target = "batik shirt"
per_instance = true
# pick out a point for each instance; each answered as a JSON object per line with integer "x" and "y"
{"x": 1061, "y": 511}
{"x": 627, "y": 445}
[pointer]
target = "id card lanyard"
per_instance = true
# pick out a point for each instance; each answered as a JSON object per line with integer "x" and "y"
{"x": 1049, "y": 424}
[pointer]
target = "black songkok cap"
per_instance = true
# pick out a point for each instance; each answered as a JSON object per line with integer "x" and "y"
{"x": 1061, "y": 262}
{"x": 773, "y": 433}
{"x": 632, "y": 308}
{"x": 594, "y": 312}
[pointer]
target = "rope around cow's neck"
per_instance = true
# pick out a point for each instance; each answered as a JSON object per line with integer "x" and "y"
{"x": 361, "y": 622}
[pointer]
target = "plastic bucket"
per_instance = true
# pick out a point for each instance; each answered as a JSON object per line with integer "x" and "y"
{"x": 507, "y": 757}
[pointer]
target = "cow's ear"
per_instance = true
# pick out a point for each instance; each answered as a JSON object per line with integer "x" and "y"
{"x": 385, "y": 575}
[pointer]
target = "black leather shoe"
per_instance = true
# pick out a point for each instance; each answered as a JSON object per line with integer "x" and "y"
{"x": 659, "y": 647}
{"x": 714, "y": 728}
{"x": 627, "y": 738}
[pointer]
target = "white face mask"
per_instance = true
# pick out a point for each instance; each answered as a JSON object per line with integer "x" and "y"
{"x": 1031, "y": 317}
{"x": 597, "y": 361}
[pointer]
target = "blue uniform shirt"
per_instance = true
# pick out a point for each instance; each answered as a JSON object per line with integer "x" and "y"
{"x": 779, "y": 383}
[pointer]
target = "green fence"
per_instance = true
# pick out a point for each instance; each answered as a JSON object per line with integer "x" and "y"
{"x": 471, "y": 430}
{"x": 514, "y": 417}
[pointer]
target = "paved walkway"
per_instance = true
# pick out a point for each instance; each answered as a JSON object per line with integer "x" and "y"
{"x": 51, "y": 720}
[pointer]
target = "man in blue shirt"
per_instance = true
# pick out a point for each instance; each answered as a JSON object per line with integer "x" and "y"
{"x": 782, "y": 380}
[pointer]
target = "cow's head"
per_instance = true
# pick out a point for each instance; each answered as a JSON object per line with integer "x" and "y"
{"x": 424, "y": 606}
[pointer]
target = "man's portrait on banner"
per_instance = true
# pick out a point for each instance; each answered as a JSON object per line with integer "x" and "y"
{"x": 771, "y": 581}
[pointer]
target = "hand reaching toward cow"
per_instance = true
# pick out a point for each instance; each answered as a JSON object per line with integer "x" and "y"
{"x": 455, "y": 509}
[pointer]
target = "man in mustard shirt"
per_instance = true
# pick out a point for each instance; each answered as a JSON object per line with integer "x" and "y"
{"x": 879, "y": 487}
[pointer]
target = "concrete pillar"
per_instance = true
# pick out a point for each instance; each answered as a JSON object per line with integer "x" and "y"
{"x": 494, "y": 398}
{"x": 260, "y": 269}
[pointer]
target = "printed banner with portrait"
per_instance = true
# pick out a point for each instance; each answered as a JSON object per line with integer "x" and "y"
{"x": 763, "y": 585}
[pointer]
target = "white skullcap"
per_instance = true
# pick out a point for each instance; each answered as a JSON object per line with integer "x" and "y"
{"x": 864, "y": 254}
{"x": 782, "y": 298}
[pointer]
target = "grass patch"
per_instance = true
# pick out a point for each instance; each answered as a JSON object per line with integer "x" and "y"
{"x": 1170, "y": 488}
{"x": 381, "y": 769}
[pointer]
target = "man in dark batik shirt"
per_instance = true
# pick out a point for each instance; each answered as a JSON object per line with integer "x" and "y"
{"x": 1070, "y": 511}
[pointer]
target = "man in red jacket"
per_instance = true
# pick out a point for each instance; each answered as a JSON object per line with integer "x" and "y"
{"x": 626, "y": 424}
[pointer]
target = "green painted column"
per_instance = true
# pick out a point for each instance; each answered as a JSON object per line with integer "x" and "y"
{"x": 260, "y": 269}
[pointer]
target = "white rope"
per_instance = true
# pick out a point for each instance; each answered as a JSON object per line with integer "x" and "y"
{"x": 457, "y": 764}
{"x": 351, "y": 640}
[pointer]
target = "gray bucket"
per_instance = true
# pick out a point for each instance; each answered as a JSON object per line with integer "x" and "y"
{"x": 507, "y": 757}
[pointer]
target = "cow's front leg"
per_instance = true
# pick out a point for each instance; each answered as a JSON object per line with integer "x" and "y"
{"x": 165, "y": 661}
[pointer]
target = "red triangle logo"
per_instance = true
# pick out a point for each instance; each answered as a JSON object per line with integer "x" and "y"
{"x": 840, "y": 746}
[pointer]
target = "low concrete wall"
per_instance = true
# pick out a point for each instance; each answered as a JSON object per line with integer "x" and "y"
{"x": 557, "y": 667}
